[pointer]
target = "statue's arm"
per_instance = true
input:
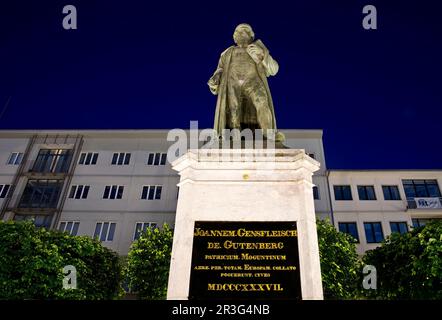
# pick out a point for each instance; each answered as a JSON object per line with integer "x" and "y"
{"x": 215, "y": 80}
{"x": 270, "y": 65}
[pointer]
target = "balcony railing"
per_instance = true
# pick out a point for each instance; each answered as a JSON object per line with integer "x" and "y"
{"x": 425, "y": 203}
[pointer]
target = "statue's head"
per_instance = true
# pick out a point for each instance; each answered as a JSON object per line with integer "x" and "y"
{"x": 243, "y": 34}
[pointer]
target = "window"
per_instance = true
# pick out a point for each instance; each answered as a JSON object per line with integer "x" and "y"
{"x": 113, "y": 192}
{"x": 391, "y": 193}
{"x": 151, "y": 192}
{"x": 41, "y": 194}
{"x": 349, "y": 228}
{"x": 4, "y": 188}
{"x": 315, "y": 193}
{"x": 400, "y": 227}
{"x": 15, "y": 158}
{"x": 121, "y": 158}
{"x": 342, "y": 193}
{"x": 52, "y": 160}
{"x": 373, "y": 232}
{"x": 366, "y": 193}
{"x": 419, "y": 222}
{"x": 88, "y": 158}
{"x": 79, "y": 192}
{"x": 141, "y": 227}
{"x": 421, "y": 189}
{"x": 70, "y": 227}
{"x": 156, "y": 159}
{"x": 104, "y": 231}
{"x": 40, "y": 221}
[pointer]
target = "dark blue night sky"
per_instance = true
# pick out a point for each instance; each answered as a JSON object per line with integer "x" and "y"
{"x": 145, "y": 64}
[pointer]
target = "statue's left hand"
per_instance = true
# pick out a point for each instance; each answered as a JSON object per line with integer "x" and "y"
{"x": 255, "y": 52}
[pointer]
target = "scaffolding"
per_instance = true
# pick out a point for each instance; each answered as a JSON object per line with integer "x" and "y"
{"x": 25, "y": 173}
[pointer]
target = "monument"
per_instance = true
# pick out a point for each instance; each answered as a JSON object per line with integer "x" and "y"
{"x": 240, "y": 81}
{"x": 245, "y": 223}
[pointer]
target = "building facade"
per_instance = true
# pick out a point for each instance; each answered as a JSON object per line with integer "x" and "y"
{"x": 113, "y": 184}
{"x": 371, "y": 204}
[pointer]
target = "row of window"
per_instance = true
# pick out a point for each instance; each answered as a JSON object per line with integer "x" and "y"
{"x": 412, "y": 188}
{"x": 373, "y": 230}
{"x": 39, "y": 189}
{"x": 123, "y": 158}
{"x": 48, "y": 159}
{"x": 104, "y": 231}
{"x": 44, "y": 193}
{"x": 44, "y": 189}
{"x": 150, "y": 192}
{"x": 90, "y": 158}
{"x": 343, "y": 192}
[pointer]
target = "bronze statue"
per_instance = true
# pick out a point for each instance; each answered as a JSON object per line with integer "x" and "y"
{"x": 240, "y": 81}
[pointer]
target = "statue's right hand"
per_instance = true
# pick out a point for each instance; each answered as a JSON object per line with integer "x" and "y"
{"x": 214, "y": 81}
{"x": 213, "y": 85}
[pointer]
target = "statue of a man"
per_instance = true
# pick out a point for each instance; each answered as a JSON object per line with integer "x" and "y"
{"x": 240, "y": 81}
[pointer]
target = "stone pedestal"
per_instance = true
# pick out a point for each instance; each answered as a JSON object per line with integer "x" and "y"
{"x": 245, "y": 185}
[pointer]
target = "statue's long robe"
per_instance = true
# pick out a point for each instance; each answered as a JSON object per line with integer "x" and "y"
{"x": 267, "y": 67}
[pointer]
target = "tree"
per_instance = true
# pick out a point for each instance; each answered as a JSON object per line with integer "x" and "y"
{"x": 148, "y": 263}
{"x": 340, "y": 266}
{"x": 409, "y": 266}
{"x": 32, "y": 261}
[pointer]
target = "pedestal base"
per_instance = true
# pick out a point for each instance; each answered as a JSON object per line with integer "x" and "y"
{"x": 245, "y": 185}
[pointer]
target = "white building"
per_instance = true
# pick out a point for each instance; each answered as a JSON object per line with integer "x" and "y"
{"x": 371, "y": 204}
{"x": 113, "y": 183}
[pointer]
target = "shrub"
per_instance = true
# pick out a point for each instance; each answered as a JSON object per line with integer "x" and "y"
{"x": 148, "y": 263}
{"x": 32, "y": 261}
{"x": 340, "y": 266}
{"x": 409, "y": 266}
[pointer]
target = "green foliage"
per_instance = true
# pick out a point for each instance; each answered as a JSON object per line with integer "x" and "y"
{"x": 148, "y": 263}
{"x": 340, "y": 266}
{"x": 32, "y": 261}
{"x": 409, "y": 266}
